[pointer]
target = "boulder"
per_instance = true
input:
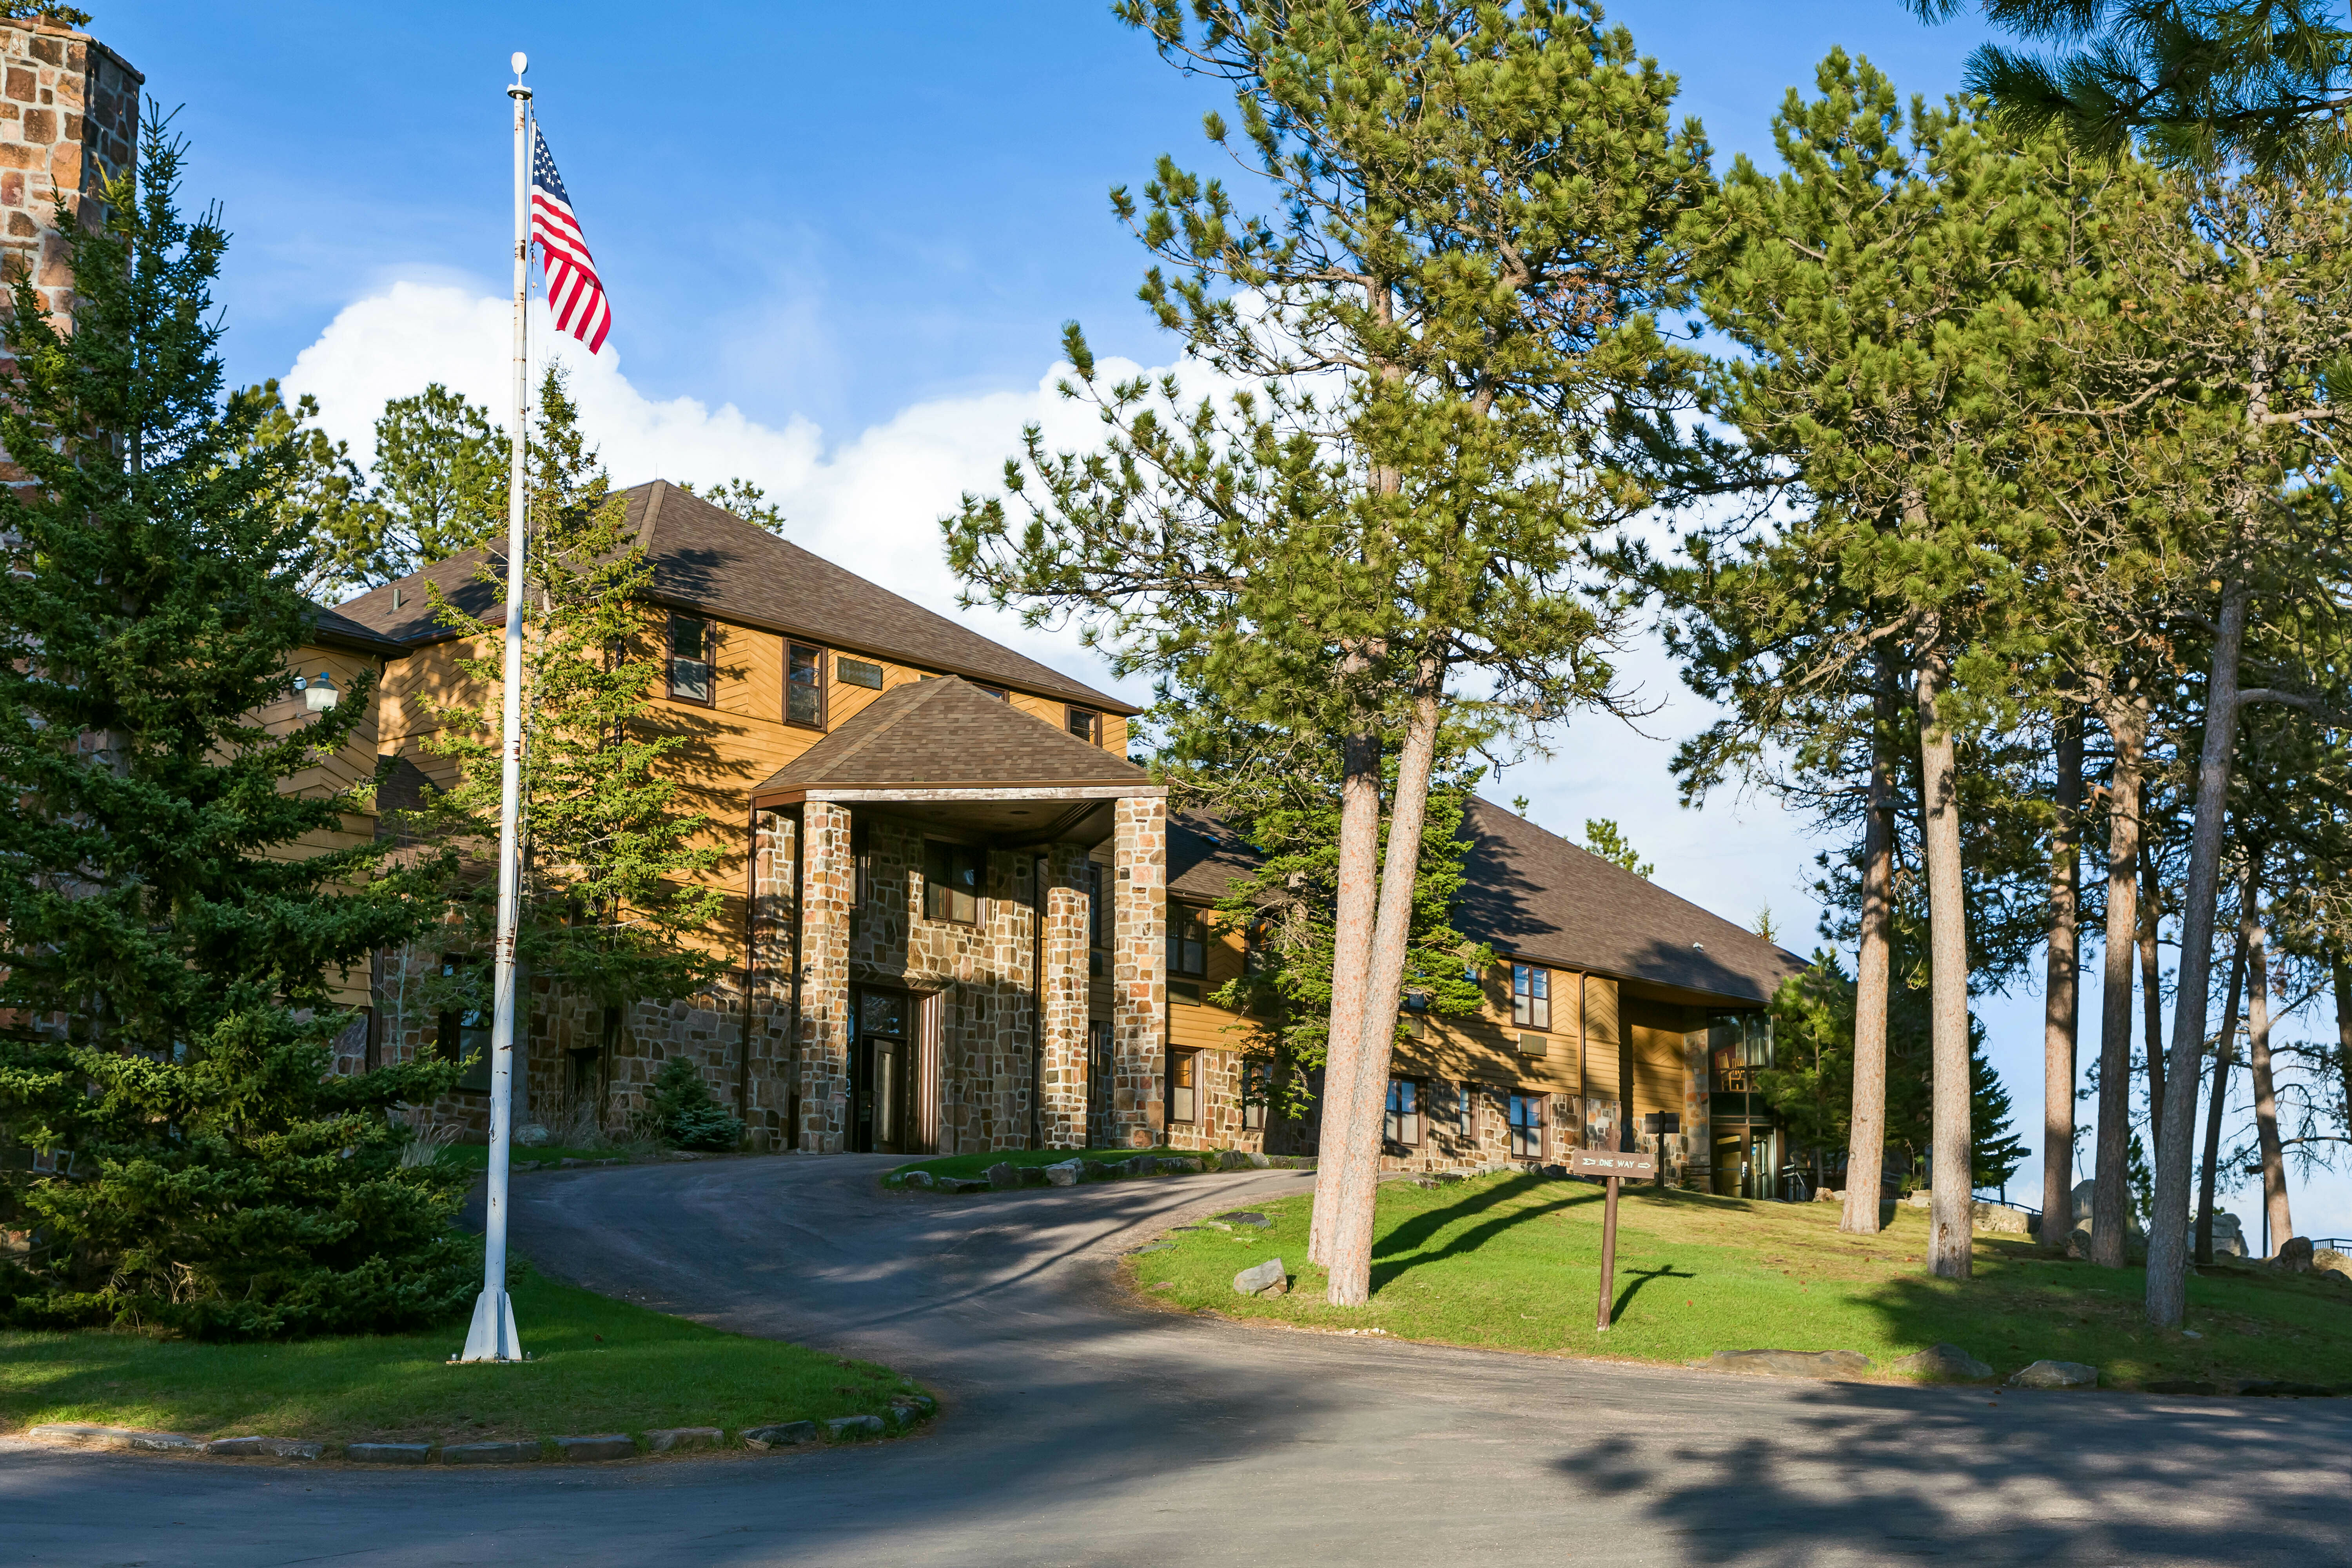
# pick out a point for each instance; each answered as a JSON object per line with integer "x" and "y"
{"x": 1142, "y": 1165}
{"x": 2056, "y": 1374}
{"x": 387, "y": 1453}
{"x": 1179, "y": 1167}
{"x": 1246, "y": 1217}
{"x": 919, "y": 1179}
{"x": 1065, "y": 1175}
{"x": 1943, "y": 1363}
{"x": 2229, "y": 1235}
{"x": 524, "y": 1453}
{"x": 2078, "y": 1244}
{"x": 846, "y": 1427}
{"x": 1003, "y": 1178}
{"x": 1034, "y": 1176}
{"x": 965, "y": 1183}
{"x": 2083, "y": 1191}
{"x": 531, "y": 1135}
{"x": 1824, "y": 1195}
{"x": 1790, "y": 1363}
{"x": 782, "y": 1435}
{"x": 2000, "y": 1219}
{"x": 1922, "y": 1199}
{"x": 2294, "y": 1255}
{"x": 603, "y": 1446}
{"x": 1266, "y": 1279}
{"x": 1232, "y": 1160}
{"x": 1257, "y": 1162}
{"x": 2332, "y": 1263}
{"x": 668, "y": 1439}
{"x": 270, "y": 1447}
{"x": 1098, "y": 1171}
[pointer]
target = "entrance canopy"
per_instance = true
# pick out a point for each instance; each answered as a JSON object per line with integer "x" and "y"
{"x": 947, "y": 752}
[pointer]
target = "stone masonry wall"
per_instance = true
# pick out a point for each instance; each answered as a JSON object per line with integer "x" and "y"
{"x": 1062, "y": 1073}
{"x": 1139, "y": 889}
{"x": 828, "y": 886}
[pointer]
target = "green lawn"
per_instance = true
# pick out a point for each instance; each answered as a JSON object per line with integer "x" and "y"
{"x": 1513, "y": 1262}
{"x": 597, "y": 1365}
{"x": 476, "y": 1156}
{"x": 978, "y": 1164}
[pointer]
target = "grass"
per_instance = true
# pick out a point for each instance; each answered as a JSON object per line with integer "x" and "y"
{"x": 597, "y": 1365}
{"x": 476, "y": 1156}
{"x": 978, "y": 1164}
{"x": 1513, "y": 1262}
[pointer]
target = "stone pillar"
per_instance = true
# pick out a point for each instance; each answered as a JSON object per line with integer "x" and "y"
{"x": 1138, "y": 991}
{"x": 1061, "y": 1000}
{"x": 68, "y": 120}
{"x": 828, "y": 886}
{"x": 768, "y": 1022}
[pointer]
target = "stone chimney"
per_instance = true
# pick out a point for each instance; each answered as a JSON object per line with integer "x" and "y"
{"x": 68, "y": 119}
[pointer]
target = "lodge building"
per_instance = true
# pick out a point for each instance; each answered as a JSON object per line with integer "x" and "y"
{"x": 957, "y": 917}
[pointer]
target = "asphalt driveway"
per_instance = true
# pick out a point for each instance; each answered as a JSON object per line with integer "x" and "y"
{"x": 1081, "y": 1428}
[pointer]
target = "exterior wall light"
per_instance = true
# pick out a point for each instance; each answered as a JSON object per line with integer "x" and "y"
{"x": 319, "y": 692}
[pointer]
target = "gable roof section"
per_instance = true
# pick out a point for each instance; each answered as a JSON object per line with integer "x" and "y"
{"x": 706, "y": 558}
{"x": 1206, "y": 856}
{"x": 330, "y": 628}
{"x": 1533, "y": 893}
{"x": 949, "y": 735}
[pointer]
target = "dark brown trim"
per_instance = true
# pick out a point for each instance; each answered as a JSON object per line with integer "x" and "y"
{"x": 709, "y": 660}
{"x": 821, "y": 687}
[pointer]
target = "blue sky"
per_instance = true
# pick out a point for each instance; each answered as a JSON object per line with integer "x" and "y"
{"x": 840, "y": 242}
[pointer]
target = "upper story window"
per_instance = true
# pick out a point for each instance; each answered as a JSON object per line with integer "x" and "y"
{"x": 692, "y": 642}
{"x": 1530, "y": 997}
{"x": 1087, "y": 725}
{"x": 1188, "y": 941}
{"x": 804, "y": 685}
{"x": 951, "y": 882}
{"x": 1738, "y": 1043}
{"x": 996, "y": 692}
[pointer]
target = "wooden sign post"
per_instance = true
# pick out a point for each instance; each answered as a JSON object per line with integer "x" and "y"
{"x": 1611, "y": 1167}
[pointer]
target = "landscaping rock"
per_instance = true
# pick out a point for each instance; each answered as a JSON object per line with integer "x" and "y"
{"x": 117, "y": 1437}
{"x": 1257, "y": 1162}
{"x": 2330, "y": 1262}
{"x": 1179, "y": 1167}
{"x": 853, "y": 1425}
{"x": 1100, "y": 1171}
{"x": 1066, "y": 1173}
{"x": 2078, "y": 1244}
{"x": 531, "y": 1135}
{"x": 965, "y": 1184}
{"x": 1232, "y": 1159}
{"x": 783, "y": 1434}
{"x": 1157, "y": 1246}
{"x": 1556, "y": 1172}
{"x": 1303, "y": 1161}
{"x": 2056, "y": 1374}
{"x": 607, "y": 1446}
{"x": 1140, "y": 1166}
{"x": 2265, "y": 1388}
{"x": 266, "y": 1447}
{"x": 1790, "y": 1363}
{"x": 1004, "y": 1177}
{"x": 1266, "y": 1279}
{"x": 1034, "y": 1176}
{"x": 1447, "y": 1177}
{"x": 1922, "y": 1199}
{"x": 1246, "y": 1217}
{"x": 490, "y": 1453}
{"x": 920, "y": 1180}
{"x": 2228, "y": 1234}
{"x": 387, "y": 1453}
{"x": 568, "y": 1162}
{"x": 1824, "y": 1195}
{"x": 668, "y": 1439}
{"x": 1946, "y": 1364}
{"x": 2294, "y": 1254}
{"x": 2000, "y": 1219}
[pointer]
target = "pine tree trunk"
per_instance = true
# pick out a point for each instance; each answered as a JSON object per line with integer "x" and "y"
{"x": 2061, "y": 990}
{"x": 1351, "y": 947}
{"x": 1865, "y": 1159}
{"x": 2110, "y": 1191}
{"x": 2167, "y": 1237}
{"x": 2258, "y": 1057}
{"x": 2342, "y": 973}
{"x": 2151, "y": 974}
{"x": 2222, "y": 1050}
{"x": 1952, "y": 1212}
{"x": 1351, "y": 1259}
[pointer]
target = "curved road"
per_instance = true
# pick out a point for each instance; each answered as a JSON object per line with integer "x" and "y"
{"x": 1079, "y": 1428}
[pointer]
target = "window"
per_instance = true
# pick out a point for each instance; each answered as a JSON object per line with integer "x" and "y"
{"x": 858, "y": 672}
{"x": 1258, "y": 1087}
{"x": 951, "y": 882}
{"x": 1464, "y": 1111}
{"x": 1403, "y": 1125}
{"x": 804, "y": 685}
{"x": 463, "y": 1034}
{"x": 690, "y": 648}
{"x": 1188, "y": 941}
{"x": 861, "y": 856}
{"x": 1530, "y": 997}
{"x": 997, "y": 692}
{"x": 1526, "y": 1127}
{"x": 1098, "y": 924}
{"x": 1182, "y": 1089}
{"x": 1086, "y": 726}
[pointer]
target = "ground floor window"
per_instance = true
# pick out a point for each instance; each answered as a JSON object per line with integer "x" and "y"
{"x": 1258, "y": 1087}
{"x": 1464, "y": 1111}
{"x": 1526, "y": 1127}
{"x": 1404, "y": 1122}
{"x": 1183, "y": 1085}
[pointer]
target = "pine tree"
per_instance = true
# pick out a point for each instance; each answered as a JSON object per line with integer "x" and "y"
{"x": 745, "y": 499}
{"x": 613, "y": 895}
{"x": 167, "y": 958}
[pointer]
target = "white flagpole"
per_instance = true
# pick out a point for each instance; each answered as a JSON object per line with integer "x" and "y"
{"x": 492, "y": 1336}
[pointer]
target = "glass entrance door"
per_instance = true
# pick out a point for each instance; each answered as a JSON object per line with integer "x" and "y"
{"x": 879, "y": 1061}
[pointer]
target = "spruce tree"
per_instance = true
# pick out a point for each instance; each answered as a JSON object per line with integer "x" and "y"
{"x": 169, "y": 1136}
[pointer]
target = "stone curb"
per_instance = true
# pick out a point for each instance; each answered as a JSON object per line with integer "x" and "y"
{"x": 906, "y": 1411}
{"x": 1018, "y": 1178}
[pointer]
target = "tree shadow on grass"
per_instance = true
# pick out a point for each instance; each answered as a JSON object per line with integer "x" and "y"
{"x": 1639, "y": 1278}
{"x": 1406, "y": 1240}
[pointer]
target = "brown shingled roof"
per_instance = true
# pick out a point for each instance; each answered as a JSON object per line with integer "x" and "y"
{"x": 330, "y": 628}
{"x": 1206, "y": 856}
{"x": 706, "y": 558}
{"x": 948, "y": 735}
{"x": 1534, "y": 894}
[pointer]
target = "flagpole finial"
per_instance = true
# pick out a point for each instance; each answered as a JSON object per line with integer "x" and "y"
{"x": 521, "y": 63}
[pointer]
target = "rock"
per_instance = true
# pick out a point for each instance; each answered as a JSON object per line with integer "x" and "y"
{"x": 1140, "y": 1166}
{"x": 1790, "y": 1363}
{"x": 965, "y": 1183}
{"x": 2265, "y": 1388}
{"x": 1448, "y": 1177}
{"x": 1257, "y": 1162}
{"x": 1921, "y": 1199}
{"x": 1003, "y": 1178}
{"x": 1824, "y": 1196}
{"x": 2056, "y": 1374}
{"x": 1157, "y": 1246}
{"x": 2333, "y": 1264}
{"x": 2228, "y": 1234}
{"x": 783, "y": 1434}
{"x": 1303, "y": 1161}
{"x": 90, "y": 1436}
{"x": 845, "y": 1426}
{"x": 1065, "y": 1175}
{"x": 1944, "y": 1364}
{"x": 387, "y": 1453}
{"x": 531, "y": 1135}
{"x": 1100, "y": 1171}
{"x": 270, "y": 1447}
{"x": 2078, "y": 1244}
{"x": 668, "y": 1439}
{"x": 2294, "y": 1254}
{"x": 568, "y": 1164}
{"x": 490, "y": 1453}
{"x": 1266, "y": 1279}
{"x": 1179, "y": 1167}
{"x": 2083, "y": 1191}
{"x": 2000, "y": 1219}
{"x": 606, "y": 1445}
{"x": 920, "y": 1180}
{"x": 1034, "y": 1176}
{"x": 1246, "y": 1217}
{"x": 1556, "y": 1172}
{"x": 2183, "y": 1385}
{"x": 1232, "y": 1159}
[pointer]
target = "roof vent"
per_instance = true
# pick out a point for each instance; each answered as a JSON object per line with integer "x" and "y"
{"x": 1698, "y": 947}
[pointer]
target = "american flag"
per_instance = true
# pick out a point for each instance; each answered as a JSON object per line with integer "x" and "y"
{"x": 573, "y": 291}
